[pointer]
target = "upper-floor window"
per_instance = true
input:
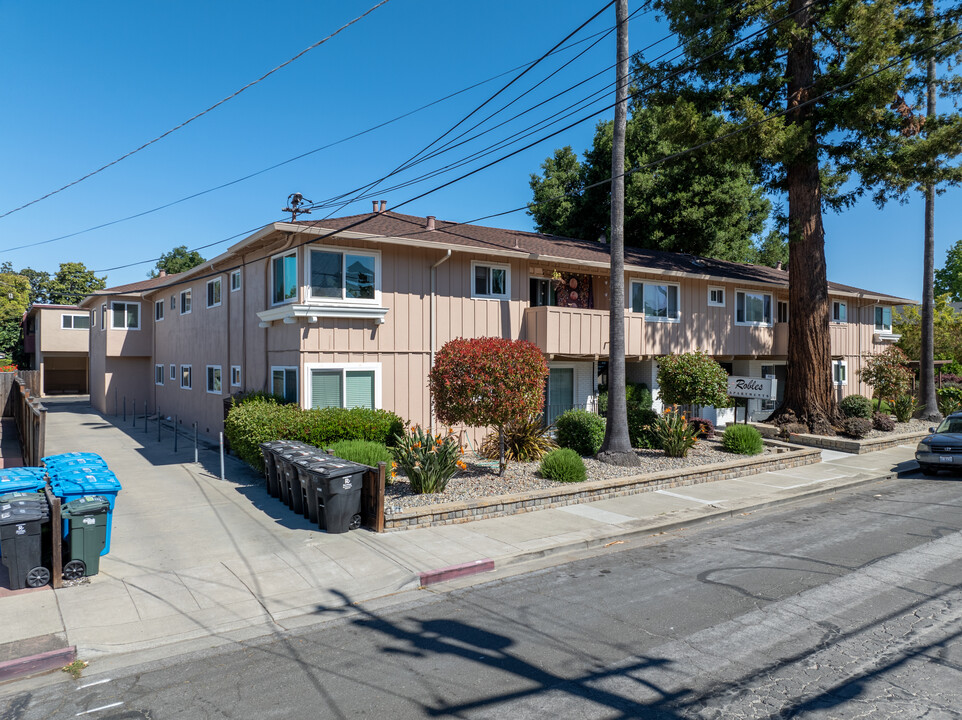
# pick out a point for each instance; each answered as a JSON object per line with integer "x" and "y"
{"x": 543, "y": 292}
{"x": 716, "y": 296}
{"x": 186, "y": 377}
{"x": 185, "y": 302}
{"x": 103, "y": 316}
{"x": 213, "y": 292}
{"x": 235, "y": 375}
{"x": 126, "y": 315}
{"x": 158, "y": 374}
{"x": 284, "y": 277}
{"x": 173, "y": 372}
{"x": 839, "y": 311}
{"x": 883, "y": 319}
{"x": 658, "y": 302}
{"x": 75, "y": 322}
{"x": 159, "y": 310}
{"x": 753, "y": 308}
{"x": 343, "y": 275}
{"x": 213, "y": 379}
{"x": 235, "y": 280}
{"x": 490, "y": 281}
{"x": 782, "y": 309}
{"x": 284, "y": 383}
{"x": 173, "y": 302}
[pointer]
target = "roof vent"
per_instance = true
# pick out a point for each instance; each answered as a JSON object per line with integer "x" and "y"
{"x": 430, "y": 222}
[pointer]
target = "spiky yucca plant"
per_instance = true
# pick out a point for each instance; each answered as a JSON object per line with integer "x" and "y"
{"x": 526, "y": 441}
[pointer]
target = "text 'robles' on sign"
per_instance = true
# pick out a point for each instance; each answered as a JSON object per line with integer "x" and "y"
{"x": 750, "y": 387}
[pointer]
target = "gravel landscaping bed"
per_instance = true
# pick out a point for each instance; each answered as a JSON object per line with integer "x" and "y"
{"x": 481, "y": 480}
{"x": 912, "y": 426}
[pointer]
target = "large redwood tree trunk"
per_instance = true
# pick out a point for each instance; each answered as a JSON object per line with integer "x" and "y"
{"x": 810, "y": 392}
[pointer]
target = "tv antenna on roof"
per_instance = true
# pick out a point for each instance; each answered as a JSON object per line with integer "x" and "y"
{"x": 294, "y": 203}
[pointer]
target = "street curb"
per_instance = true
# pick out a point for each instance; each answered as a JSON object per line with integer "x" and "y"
{"x": 33, "y": 664}
{"x": 430, "y": 577}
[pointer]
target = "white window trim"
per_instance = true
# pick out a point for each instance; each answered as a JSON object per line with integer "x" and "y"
{"x": 343, "y": 367}
{"x": 190, "y": 369}
{"x": 631, "y": 292}
{"x": 73, "y": 315}
{"x": 207, "y": 379}
{"x": 772, "y": 305}
{"x": 297, "y": 375}
{"x": 884, "y": 328}
{"x": 238, "y": 369}
{"x": 161, "y": 375}
{"x": 270, "y": 270}
{"x": 189, "y": 294}
{"x": 220, "y": 302}
{"x": 237, "y": 274}
{"x": 311, "y": 300}
{"x": 507, "y": 280}
{"x": 173, "y": 371}
{"x": 844, "y": 364}
{"x": 841, "y": 304}
{"x": 159, "y": 305}
{"x": 123, "y": 302}
{"x": 724, "y": 299}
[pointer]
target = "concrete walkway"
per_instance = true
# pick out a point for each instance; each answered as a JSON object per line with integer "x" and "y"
{"x": 196, "y": 562}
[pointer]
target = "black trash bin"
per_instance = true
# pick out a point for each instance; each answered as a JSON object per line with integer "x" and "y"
{"x": 288, "y": 482}
{"x": 335, "y": 486}
{"x": 20, "y": 547}
{"x": 85, "y": 529}
{"x": 272, "y": 469}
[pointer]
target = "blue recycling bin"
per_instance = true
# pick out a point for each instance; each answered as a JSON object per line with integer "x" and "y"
{"x": 82, "y": 458}
{"x": 20, "y": 481}
{"x": 74, "y": 484}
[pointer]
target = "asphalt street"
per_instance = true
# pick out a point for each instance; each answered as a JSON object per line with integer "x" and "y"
{"x": 840, "y": 607}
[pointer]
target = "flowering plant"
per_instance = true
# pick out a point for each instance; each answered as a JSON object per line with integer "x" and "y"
{"x": 676, "y": 434}
{"x": 8, "y": 368}
{"x": 429, "y": 460}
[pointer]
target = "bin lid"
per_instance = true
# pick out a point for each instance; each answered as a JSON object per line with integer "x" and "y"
{"x": 14, "y": 483}
{"x": 87, "y": 483}
{"x": 80, "y": 464}
{"x": 87, "y": 505}
{"x": 65, "y": 457}
{"x": 19, "y": 515}
{"x": 24, "y": 472}
{"x": 330, "y": 467}
{"x": 22, "y": 495}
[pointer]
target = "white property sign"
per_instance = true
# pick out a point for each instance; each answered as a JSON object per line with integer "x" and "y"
{"x": 750, "y": 387}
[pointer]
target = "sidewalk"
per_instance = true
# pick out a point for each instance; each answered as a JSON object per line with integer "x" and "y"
{"x": 196, "y": 562}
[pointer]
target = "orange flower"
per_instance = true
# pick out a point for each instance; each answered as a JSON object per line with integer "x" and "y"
{"x": 450, "y": 431}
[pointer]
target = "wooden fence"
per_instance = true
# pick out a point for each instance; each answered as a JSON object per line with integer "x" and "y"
{"x": 31, "y": 419}
{"x": 372, "y": 498}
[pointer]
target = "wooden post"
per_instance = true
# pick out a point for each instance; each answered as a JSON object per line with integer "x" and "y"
{"x": 372, "y": 498}
{"x": 56, "y": 540}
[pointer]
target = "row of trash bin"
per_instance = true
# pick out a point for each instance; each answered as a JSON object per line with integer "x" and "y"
{"x": 87, "y": 489}
{"x": 323, "y": 488}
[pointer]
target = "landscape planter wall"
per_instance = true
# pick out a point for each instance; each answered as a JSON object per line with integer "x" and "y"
{"x": 843, "y": 444}
{"x": 785, "y": 456}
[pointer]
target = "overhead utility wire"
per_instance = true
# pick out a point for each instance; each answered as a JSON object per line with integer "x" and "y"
{"x": 638, "y": 168}
{"x": 200, "y": 114}
{"x": 302, "y": 155}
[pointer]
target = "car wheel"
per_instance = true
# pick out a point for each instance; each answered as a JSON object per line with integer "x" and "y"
{"x": 928, "y": 470}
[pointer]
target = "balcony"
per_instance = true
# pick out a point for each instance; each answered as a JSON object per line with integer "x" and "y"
{"x": 780, "y": 339}
{"x": 578, "y": 332}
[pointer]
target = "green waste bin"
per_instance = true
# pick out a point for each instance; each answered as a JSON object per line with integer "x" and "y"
{"x": 85, "y": 530}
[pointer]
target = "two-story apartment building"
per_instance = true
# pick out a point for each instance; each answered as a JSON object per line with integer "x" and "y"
{"x": 56, "y": 342}
{"x": 350, "y": 311}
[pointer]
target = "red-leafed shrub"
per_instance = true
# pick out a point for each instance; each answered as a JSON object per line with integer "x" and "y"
{"x": 488, "y": 382}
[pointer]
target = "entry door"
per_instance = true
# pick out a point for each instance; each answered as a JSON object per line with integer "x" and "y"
{"x": 561, "y": 392}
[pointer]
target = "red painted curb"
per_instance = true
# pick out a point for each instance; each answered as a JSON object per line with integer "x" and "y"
{"x": 50, "y": 660}
{"x": 455, "y": 571}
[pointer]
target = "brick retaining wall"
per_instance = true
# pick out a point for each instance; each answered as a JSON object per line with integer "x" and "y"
{"x": 846, "y": 445}
{"x": 785, "y": 457}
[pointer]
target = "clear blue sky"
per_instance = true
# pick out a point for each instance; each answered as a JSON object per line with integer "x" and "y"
{"x": 84, "y": 83}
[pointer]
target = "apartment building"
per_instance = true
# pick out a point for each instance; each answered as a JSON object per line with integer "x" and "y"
{"x": 350, "y": 311}
{"x": 56, "y": 342}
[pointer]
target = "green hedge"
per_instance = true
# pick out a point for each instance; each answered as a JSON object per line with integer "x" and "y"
{"x": 581, "y": 431}
{"x": 261, "y": 419}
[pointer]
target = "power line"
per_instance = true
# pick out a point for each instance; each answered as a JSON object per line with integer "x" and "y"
{"x": 198, "y": 115}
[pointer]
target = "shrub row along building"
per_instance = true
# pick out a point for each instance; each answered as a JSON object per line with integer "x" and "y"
{"x": 350, "y": 311}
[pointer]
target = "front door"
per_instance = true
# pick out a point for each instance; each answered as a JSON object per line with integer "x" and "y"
{"x": 561, "y": 392}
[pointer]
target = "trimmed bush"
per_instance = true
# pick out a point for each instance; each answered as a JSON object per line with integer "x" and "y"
{"x": 564, "y": 465}
{"x": 704, "y": 428}
{"x": 526, "y": 441}
{"x": 251, "y": 423}
{"x": 641, "y": 428}
{"x": 365, "y": 452}
{"x": 883, "y": 422}
{"x": 581, "y": 431}
{"x": 903, "y": 407}
{"x": 743, "y": 440}
{"x": 855, "y": 406}
{"x": 857, "y": 427}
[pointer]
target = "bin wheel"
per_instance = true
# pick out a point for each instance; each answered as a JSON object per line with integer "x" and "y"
{"x": 74, "y": 570}
{"x": 38, "y": 577}
{"x": 355, "y": 523}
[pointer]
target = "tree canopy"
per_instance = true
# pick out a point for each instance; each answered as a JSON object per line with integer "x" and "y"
{"x": 705, "y": 203}
{"x": 948, "y": 278}
{"x": 178, "y": 260}
{"x": 72, "y": 283}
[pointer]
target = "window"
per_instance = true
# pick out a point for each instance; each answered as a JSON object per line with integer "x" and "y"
{"x": 716, "y": 297}
{"x": 284, "y": 383}
{"x": 782, "y": 311}
{"x": 840, "y": 372}
{"x": 284, "y": 278}
{"x": 103, "y": 316}
{"x": 213, "y": 292}
{"x": 883, "y": 319}
{"x": 173, "y": 302}
{"x": 659, "y": 303}
{"x": 185, "y": 302}
{"x": 235, "y": 280}
{"x": 839, "y": 312}
{"x": 75, "y": 322}
{"x": 346, "y": 386}
{"x": 158, "y": 374}
{"x": 213, "y": 379}
{"x": 542, "y": 292}
{"x": 186, "y": 377}
{"x": 490, "y": 281}
{"x": 753, "y": 308}
{"x": 235, "y": 376}
{"x": 173, "y": 372}
{"x": 159, "y": 310}
{"x": 126, "y": 315}
{"x": 344, "y": 275}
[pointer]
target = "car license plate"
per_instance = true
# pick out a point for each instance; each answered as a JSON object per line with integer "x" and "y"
{"x": 945, "y": 458}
